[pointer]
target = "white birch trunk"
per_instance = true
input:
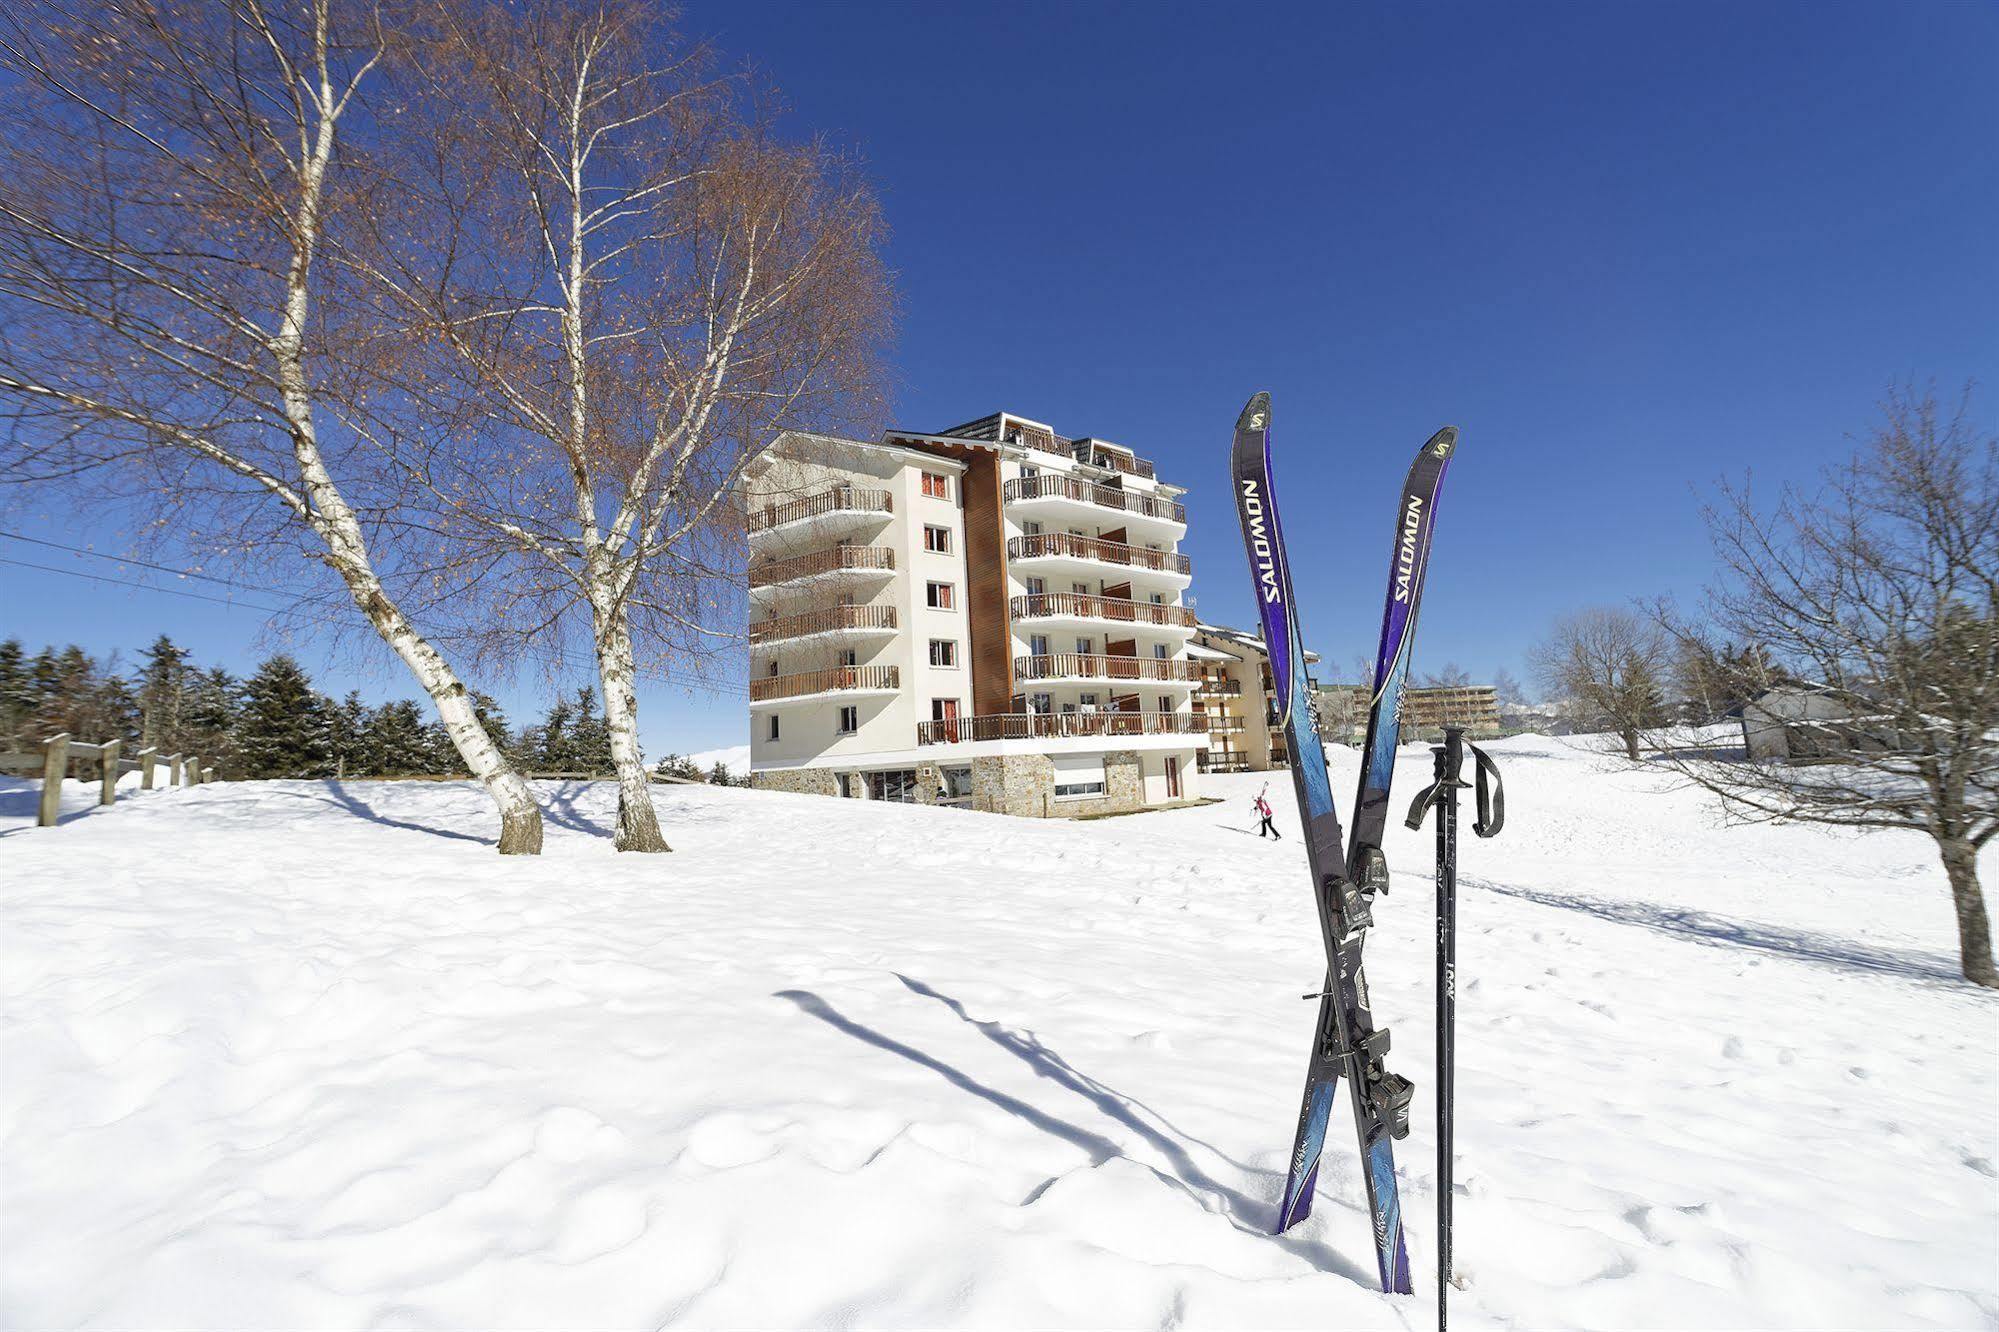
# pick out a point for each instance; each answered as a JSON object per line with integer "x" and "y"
{"x": 638, "y": 821}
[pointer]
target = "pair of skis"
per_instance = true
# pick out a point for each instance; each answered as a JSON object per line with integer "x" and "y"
{"x": 1345, "y": 877}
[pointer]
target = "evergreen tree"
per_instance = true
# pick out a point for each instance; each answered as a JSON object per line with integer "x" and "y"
{"x": 395, "y": 741}
{"x": 282, "y": 729}
{"x": 17, "y": 697}
{"x": 346, "y": 726}
{"x": 590, "y": 735}
{"x": 208, "y": 720}
{"x": 558, "y": 753}
{"x": 720, "y": 775}
{"x": 494, "y": 719}
{"x": 441, "y": 757}
{"x": 162, "y": 686}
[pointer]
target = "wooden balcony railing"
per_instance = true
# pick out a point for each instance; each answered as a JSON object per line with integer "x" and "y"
{"x": 1212, "y": 687}
{"x": 1091, "y": 548}
{"x": 1056, "y": 486}
{"x": 1080, "y": 606}
{"x": 823, "y": 561}
{"x": 839, "y": 499}
{"x": 1076, "y": 665}
{"x": 823, "y": 682}
{"x": 1116, "y": 462}
{"x": 1218, "y": 725}
{"x": 833, "y": 619}
{"x": 1230, "y": 763}
{"x": 1056, "y": 725}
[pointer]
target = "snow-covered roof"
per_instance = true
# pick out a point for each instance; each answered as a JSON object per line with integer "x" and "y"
{"x": 1199, "y": 653}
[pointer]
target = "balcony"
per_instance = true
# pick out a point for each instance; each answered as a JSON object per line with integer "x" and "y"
{"x": 1219, "y": 725}
{"x": 1216, "y": 687}
{"x": 824, "y": 684}
{"x": 1227, "y": 763}
{"x": 1056, "y": 726}
{"x": 840, "y": 565}
{"x": 1080, "y": 607}
{"x": 1112, "y": 460}
{"x": 1054, "y": 491}
{"x": 840, "y": 508}
{"x": 845, "y": 621}
{"x": 1093, "y": 667}
{"x": 1058, "y": 548}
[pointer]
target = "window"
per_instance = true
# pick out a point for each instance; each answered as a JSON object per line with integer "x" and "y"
{"x": 1037, "y": 645}
{"x": 1159, "y": 598}
{"x": 1089, "y": 702}
{"x": 1036, "y": 586}
{"x": 943, "y": 709}
{"x": 850, "y": 719}
{"x": 936, "y": 539}
{"x": 773, "y": 727}
{"x": 847, "y": 784}
{"x": 1042, "y": 704}
{"x": 1085, "y": 646}
{"x": 773, "y": 665}
{"x": 898, "y": 784}
{"x": 849, "y": 657}
{"x": 1078, "y": 776}
{"x": 1165, "y": 705}
{"x": 935, "y": 486}
{"x": 1031, "y": 528}
{"x": 1080, "y": 589}
{"x": 943, "y": 652}
{"x": 939, "y": 596}
{"x": 957, "y": 784}
{"x": 1159, "y": 650}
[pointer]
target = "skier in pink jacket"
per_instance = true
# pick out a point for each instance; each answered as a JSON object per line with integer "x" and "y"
{"x": 1263, "y": 812}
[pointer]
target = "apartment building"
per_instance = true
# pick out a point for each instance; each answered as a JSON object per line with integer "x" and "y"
{"x": 990, "y": 616}
{"x": 1235, "y": 693}
{"x": 1426, "y": 711}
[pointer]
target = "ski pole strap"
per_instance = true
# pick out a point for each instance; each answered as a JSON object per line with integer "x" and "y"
{"x": 1491, "y": 797}
{"x": 1419, "y": 808}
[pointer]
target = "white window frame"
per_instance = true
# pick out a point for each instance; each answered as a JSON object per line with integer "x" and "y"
{"x": 771, "y": 732}
{"x": 950, "y": 646}
{"x": 848, "y": 721}
{"x": 1086, "y": 779}
{"x": 937, "y": 538}
{"x": 936, "y": 485}
{"x": 934, "y": 590}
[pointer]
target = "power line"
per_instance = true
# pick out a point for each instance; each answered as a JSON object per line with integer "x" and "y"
{"x": 547, "y": 656}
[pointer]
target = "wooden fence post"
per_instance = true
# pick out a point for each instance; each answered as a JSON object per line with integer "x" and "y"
{"x": 147, "y": 758}
{"x": 193, "y": 770}
{"x": 55, "y": 765}
{"x": 207, "y": 776}
{"x": 107, "y": 771}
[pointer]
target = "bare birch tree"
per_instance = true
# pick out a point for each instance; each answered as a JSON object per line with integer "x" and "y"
{"x": 1878, "y": 596}
{"x": 615, "y": 284}
{"x": 170, "y": 173}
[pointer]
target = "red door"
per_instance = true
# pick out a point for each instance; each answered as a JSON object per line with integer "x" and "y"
{"x": 1172, "y": 778}
{"x": 945, "y": 710}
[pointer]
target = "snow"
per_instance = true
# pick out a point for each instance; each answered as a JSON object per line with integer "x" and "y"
{"x": 303, "y": 1054}
{"x": 737, "y": 757}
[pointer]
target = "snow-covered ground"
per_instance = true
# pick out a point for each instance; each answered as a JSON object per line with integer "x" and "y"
{"x": 303, "y": 1055}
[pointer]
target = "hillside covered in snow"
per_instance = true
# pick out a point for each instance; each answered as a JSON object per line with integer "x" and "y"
{"x": 309, "y": 1054}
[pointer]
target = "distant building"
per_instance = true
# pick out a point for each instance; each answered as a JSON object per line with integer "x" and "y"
{"x": 1426, "y": 711}
{"x": 1804, "y": 723}
{"x": 990, "y": 616}
{"x": 1235, "y": 695}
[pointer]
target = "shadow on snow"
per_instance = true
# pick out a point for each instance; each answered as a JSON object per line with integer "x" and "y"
{"x": 1187, "y": 1176}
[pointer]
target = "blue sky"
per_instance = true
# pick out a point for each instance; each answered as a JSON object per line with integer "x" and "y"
{"x": 1625, "y": 248}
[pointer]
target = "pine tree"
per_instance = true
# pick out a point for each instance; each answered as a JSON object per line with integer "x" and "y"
{"x": 494, "y": 719}
{"x": 17, "y": 697}
{"x": 162, "y": 686}
{"x": 720, "y": 775}
{"x": 590, "y": 735}
{"x": 346, "y": 726}
{"x": 208, "y": 721}
{"x": 282, "y": 730}
{"x": 396, "y": 746}
{"x": 558, "y": 752}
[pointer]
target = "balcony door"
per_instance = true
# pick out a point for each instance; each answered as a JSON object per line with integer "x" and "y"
{"x": 944, "y": 711}
{"x": 1172, "y": 777}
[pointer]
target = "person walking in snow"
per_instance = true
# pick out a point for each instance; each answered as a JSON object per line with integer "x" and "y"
{"x": 1263, "y": 812}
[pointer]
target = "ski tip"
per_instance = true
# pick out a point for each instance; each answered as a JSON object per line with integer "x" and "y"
{"x": 1443, "y": 443}
{"x": 1255, "y": 413}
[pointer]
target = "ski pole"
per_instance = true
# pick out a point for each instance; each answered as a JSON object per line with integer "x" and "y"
{"x": 1443, "y": 794}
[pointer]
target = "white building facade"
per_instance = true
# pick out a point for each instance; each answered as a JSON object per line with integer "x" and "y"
{"x": 991, "y": 616}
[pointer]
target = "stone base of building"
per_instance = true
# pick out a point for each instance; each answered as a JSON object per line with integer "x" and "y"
{"x": 1023, "y": 785}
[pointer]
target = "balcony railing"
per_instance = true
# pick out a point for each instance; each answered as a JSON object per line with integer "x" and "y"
{"x": 833, "y": 619}
{"x": 1117, "y": 462}
{"x": 1081, "y": 606}
{"x": 1226, "y": 725}
{"x": 1076, "y": 665}
{"x": 1091, "y": 548}
{"x": 1055, "y": 726}
{"x": 1211, "y": 687}
{"x": 1229, "y": 764}
{"x": 823, "y": 682}
{"x": 848, "y": 499}
{"x": 1055, "y": 486}
{"x": 824, "y": 561}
